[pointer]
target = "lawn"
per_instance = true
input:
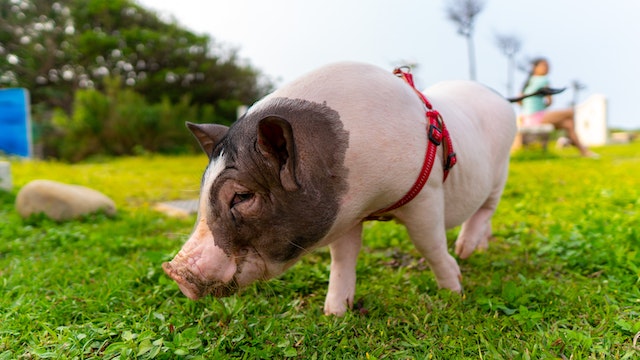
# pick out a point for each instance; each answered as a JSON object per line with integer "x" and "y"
{"x": 560, "y": 280}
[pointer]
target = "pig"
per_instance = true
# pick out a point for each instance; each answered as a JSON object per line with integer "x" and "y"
{"x": 308, "y": 163}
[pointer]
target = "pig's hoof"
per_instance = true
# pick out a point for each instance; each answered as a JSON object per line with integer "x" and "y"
{"x": 454, "y": 286}
{"x": 467, "y": 244}
{"x": 337, "y": 307}
{"x": 335, "y": 312}
{"x": 466, "y": 247}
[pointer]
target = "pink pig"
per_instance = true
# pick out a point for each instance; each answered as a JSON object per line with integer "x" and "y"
{"x": 308, "y": 163}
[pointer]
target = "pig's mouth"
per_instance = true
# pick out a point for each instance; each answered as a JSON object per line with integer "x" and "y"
{"x": 194, "y": 288}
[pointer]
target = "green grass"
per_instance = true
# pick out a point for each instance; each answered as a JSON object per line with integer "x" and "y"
{"x": 560, "y": 280}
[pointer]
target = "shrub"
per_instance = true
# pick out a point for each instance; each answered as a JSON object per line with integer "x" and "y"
{"x": 120, "y": 121}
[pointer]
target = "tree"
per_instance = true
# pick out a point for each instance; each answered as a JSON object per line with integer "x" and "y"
{"x": 55, "y": 47}
{"x": 576, "y": 86}
{"x": 463, "y": 14}
{"x": 35, "y": 50}
{"x": 509, "y": 45}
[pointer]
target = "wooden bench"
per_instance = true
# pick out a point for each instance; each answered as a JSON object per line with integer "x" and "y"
{"x": 528, "y": 134}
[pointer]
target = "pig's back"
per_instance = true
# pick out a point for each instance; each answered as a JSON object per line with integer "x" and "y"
{"x": 386, "y": 124}
{"x": 387, "y": 130}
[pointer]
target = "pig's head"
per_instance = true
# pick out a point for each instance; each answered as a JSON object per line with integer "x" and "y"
{"x": 271, "y": 192}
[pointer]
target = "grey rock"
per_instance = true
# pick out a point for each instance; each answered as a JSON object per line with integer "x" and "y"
{"x": 5, "y": 176}
{"x": 178, "y": 208}
{"x": 60, "y": 201}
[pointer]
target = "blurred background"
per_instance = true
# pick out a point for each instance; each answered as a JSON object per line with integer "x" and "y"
{"x": 119, "y": 77}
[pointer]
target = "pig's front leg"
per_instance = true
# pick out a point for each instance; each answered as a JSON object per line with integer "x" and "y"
{"x": 342, "y": 280}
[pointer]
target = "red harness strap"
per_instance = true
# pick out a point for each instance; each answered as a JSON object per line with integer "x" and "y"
{"x": 436, "y": 132}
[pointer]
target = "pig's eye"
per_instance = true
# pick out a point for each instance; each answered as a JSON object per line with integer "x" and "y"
{"x": 241, "y": 197}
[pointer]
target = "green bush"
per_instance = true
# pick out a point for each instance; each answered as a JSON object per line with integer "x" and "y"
{"x": 120, "y": 121}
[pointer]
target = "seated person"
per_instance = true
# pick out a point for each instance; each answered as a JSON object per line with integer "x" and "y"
{"x": 534, "y": 108}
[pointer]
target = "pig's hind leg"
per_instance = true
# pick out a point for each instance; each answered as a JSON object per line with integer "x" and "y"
{"x": 476, "y": 231}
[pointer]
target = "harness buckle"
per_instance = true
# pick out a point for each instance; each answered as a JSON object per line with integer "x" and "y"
{"x": 452, "y": 159}
{"x": 435, "y": 134}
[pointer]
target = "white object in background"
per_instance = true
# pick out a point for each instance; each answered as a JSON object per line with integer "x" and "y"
{"x": 241, "y": 110}
{"x": 591, "y": 121}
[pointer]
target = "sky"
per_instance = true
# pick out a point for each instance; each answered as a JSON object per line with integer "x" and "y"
{"x": 592, "y": 41}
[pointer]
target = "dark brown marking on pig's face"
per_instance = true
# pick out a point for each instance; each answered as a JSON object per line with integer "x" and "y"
{"x": 283, "y": 178}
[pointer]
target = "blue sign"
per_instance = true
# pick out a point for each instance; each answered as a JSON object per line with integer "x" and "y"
{"x": 15, "y": 122}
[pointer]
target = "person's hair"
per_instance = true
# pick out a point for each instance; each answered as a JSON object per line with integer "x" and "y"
{"x": 534, "y": 63}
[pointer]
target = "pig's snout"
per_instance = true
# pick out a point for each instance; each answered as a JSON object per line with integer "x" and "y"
{"x": 195, "y": 287}
{"x": 188, "y": 289}
{"x": 201, "y": 268}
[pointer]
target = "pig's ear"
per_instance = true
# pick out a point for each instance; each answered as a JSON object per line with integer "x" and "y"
{"x": 275, "y": 142}
{"x": 208, "y": 135}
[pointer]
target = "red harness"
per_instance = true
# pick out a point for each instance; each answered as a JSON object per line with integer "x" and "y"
{"x": 437, "y": 134}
